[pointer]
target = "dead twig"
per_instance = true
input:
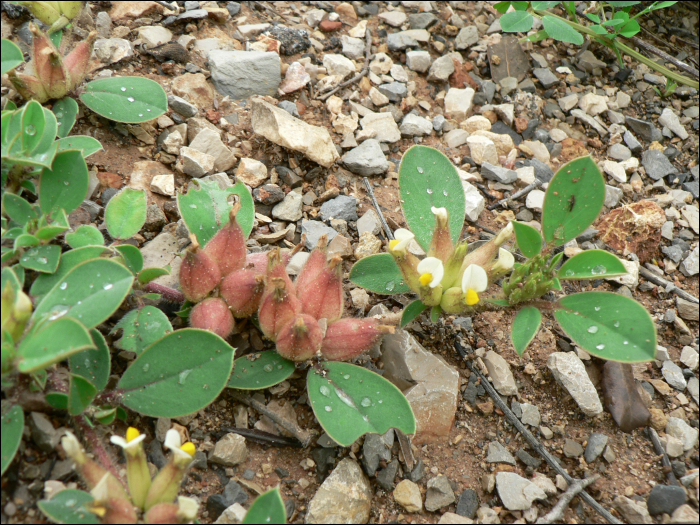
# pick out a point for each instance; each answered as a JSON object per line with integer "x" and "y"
{"x": 557, "y": 512}
{"x": 527, "y": 189}
{"x": 370, "y": 192}
{"x": 659, "y": 281}
{"x": 532, "y": 439}
{"x": 664, "y": 457}
{"x": 356, "y": 78}
{"x": 264, "y": 438}
{"x": 668, "y": 58}
{"x": 271, "y": 10}
{"x": 405, "y": 445}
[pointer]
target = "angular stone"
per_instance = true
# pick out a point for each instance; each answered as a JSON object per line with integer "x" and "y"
{"x": 645, "y": 129}
{"x": 585, "y": 117}
{"x": 195, "y": 163}
{"x": 366, "y": 159}
{"x": 595, "y": 446}
{"x": 181, "y": 106}
{"x": 393, "y": 18}
{"x": 278, "y": 126}
{"x": 467, "y": 37}
{"x": 572, "y": 449}
{"x": 163, "y": 184}
{"x": 338, "y": 65}
{"x": 368, "y": 245}
{"x": 313, "y": 231}
{"x": 689, "y": 356}
{"x": 593, "y": 104}
{"x": 407, "y": 494}
{"x": 344, "y": 497}
{"x": 112, "y": 50}
{"x": 418, "y": 61}
{"x": 381, "y": 64}
{"x": 619, "y": 152}
{"x": 681, "y": 430}
{"x": 241, "y": 74}
{"x": 458, "y": 102}
{"x": 657, "y": 164}
{"x": 633, "y": 511}
{"x": 545, "y": 76}
{"x": 153, "y": 36}
{"x": 383, "y": 124}
{"x": 290, "y": 207}
{"x": 342, "y": 207}
{"x": 568, "y": 102}
{"x": 497, "y": 453}
{"x": 498, "y": 173}
{"x": 394, "y": 91}
{"x": 535, "y": 200}
{"x": 517, "y": 493}
{"x": 455, "y": 138}
{"x": 195, "y": 88}
{"x": 570, "y": 372}
{"x": 209, "y": 141}
{"x": 500, "y": 374}
{"x": 439, "y": 494}
{"x": 531, "y": 414}
{"x": 441, "y": 69}
{"x": 482, "y": 150}
{"x": 475, "y": 123}
{"x": 474, "y": 202}
{"x": 615, "y": 170}
{"x": 251, "y": 172}
{"x": 669, "y": 119}
{"x": 415, "y": 126}
{"x": 229, "y": 451}
{"x": 43, "y": 433}
{"x": 674, "y": 375}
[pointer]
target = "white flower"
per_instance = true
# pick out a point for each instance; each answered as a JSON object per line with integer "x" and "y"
{"x": 505, "y": 261}
{"x": 440, "y": 213}
{"x": 71, "y": 446}
{"x": 402, "y": 237}
{"x": 173, "y": 442}
{"x": 504, "y": 234}
{"x": 474, "y": 281}
{"x": 133, "y": 438}
{"x": 431, "y": 271}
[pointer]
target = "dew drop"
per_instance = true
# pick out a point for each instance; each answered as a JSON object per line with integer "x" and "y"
{"x": 107, "y": 286}
{"x": 420, "y": 170}
{"x": 599, "y": 269}
{"x": 616, "y": 324}
{"x": 148, "y": 109}
{"x": 444, "y": 192}
{"x": 279, "y": 367}
{"x": 31, "y": 130}
{"x": 325, "y": 390}
{"x": 592, "y": 329}
{"x": 600, "y": 346}
{"x": 328, "y": 409}
{"x": 596, "y": 308}
{"x": 130, "y": 99}
{"x": 390, "y": 285}
{"x": 123, "y": 88}
{"x": 145, "y": 367}
{"x": 380, "y": 401}
{"x": 193, "y": 206}
{"x": 268, "y": 368}
{"x": 58, "y": 311}
{"x": 63, "y": 286}
{"x": 366, "y": 402}
{"x": 42, "y": 260}
{"x": 183, "y": 376}
{"x": 429, "y": 191}
{"x": 625, "y": 342}
{"x": 346, "y": 376}
{"x": 569, "y": 273}
{"x": 59, "y": 114}
{"x": 71, "y": 503}
{"x": 140, "y": 114}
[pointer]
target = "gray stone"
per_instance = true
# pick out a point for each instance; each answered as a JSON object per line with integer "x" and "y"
{"x": 111, "y": 50}
{"x": 344, "y": 497}
{"x": 588, "y": 62}
{"x": 385, "y": 477}
{"x": 290, "y": 207}
{"x": 181, "y": 106}
{"x": 657, "y": 164}
{"x": 674, "y": 375}
{"x": 290, "y": 107}
{"x": 352, "y": 47}
{"x": 669, "y": 119}
{"x": 467, "y": 37}
{"x": 612, "y": 196}
{"x": 517, "y": 493}
{"x": 691, "y": 265}
{"x": 542, "y": 171}
{"x": 474, "y": 202}
{"x": 647, "y": 130}
{"x": 498, "y": 173}
{"x": 529, "y": 460}
{"x": 384, "y": 124}
{"x": 497, "y": 453}
{"x": 342, "y": 207}
{"x": 572, "y": 449}
{"x": 369, "y": 222}
{"x": 196, "y": 163}
{"x": 694, "y": 389}
{"x": 570, "y": 372}
{"x": 394, "y": 91}
{"x": 415, "y": 126}
{"x": 545, "y": 76}
{"x": 234, "y": 493}
{"x": 595, "y": 446}
{"x": 373, "y": 451}
{"x": 338, "y": 65}
{"x": 531, "y": 414}
{"x": 44, "y": 435}
{"x": 632, "y": 142}
{"x": 633, "y": 511}
{"x": 400, "y": 41}
{"x": 441, "y": 69}
{"x": 422, "y": 20}
{"x": 508, "y": 85}
{"x": 585, "y": 117}
{"x": 229, "y": 451}
{"x": 689, "y": 356}
{"x": 500, "y": 374}
{"x": 366, "y": 159}
{"x": 619, "y": 152}
{"x": 678, "y": 428}
{"x": 418, "y": 61}
{"x": 568, "y": 102}
{"x": 468, "y": 504}
{"x": 103, "y": 24}
{"x": 439, "y": 494}
{"x": 241, "y": 74}
{"x": 664, "y": 499}
{"x": 313, "y": 231}
{"x": 209, "y": 141}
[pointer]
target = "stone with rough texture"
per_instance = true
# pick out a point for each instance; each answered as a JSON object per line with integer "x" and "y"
{"x": 467, "y": 37}
{"x": 500, "y": 374}
{"x": 674, "y": 375}
{"x": 482, "y": 150}
{"x": 645, "y": 129}
{"x": 407, "y": 494}
{"x": 278, "y": 126}
{"x": 195, "y": 163}
{"x": 418, "y": 61}
{"x": 229, "y": 451}
{"x": 153, "y": 36}
{"x": 441, "y": 69}
{"x": 415, "y": 126}
{"x": 516, "y": 492}
{"x": 474, "y": 202}
{"x": 497, "y": 453}
{"x": 475, "y": 123}
{"x": 503, "y": 142}
{"x": 657, "y": 164}
{"x": 290, "y": 207}
{"x": 535, "y": 200}
{"x": 572, "y": 449}
{"x": 498, "y": 173}
{"x": 384, "y": 124}
{"x": 664, "y": 499}
{"x": 338, "y": 65}
{"x": 393, "y": 18}
{"x": 342, "y": 207}
{"x": 163, "y": 184}
{"x": 570, "y": 372}
{"x": 209, "y": 141}
{"x": 251, "y": 172}
{"x": 593, "y": 104}
{"x": 684, "y": 514}
{"x": 545, "y": 76}
{"x": 181, "y": 106}
{"x": 43, "y": 433}
{"x": 195, "y": 88}
{"x": 487, "y": 515}
{"x": 366, "y": 159}
{"x": 669, "y": 119}
{"x": 681, "y": 430}
{"x": 313, "y": 231}
{"x": 241, "y": 74}
{"x": 615, "y": 170}
{"x": 689, "y": 356}
{"x": 455, "y": 138}
{"x": 458, "y": 102}
{"x": 531, "y": 414}
{"x": 344, "y": 497}
{"x": 535, "y": 149}
{"x": 111, "y": 50}
{"x": 633, "y": 511}
{"x": 595, "y": 446}
{"x": 439, "y": 494}
{"x": 619, "y": 152}
{"x": 568, "y": 102}
{"x": 352, "y": 47}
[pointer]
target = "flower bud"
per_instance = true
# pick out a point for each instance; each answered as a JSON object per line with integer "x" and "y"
{"x": 242, "y": 291}
{"x": 199, "y": 275}
{"x": 300, "y": 339}
{"x": 78, "y": 60}
{"x": 16, "y": 311}
{"x": 162, "y": 513}
{"x": 166, "y": 484}
{"x": 314, "y": 265}
{"x": 348, "y": 338}
{"x": 227, "y": 248}
{"x": 441, "y": 244}
{"x": 213, "y": 314}
{"x": 323, "y": 297}
{"x": 137, "y": 475}
{"x": 279, "y": 303}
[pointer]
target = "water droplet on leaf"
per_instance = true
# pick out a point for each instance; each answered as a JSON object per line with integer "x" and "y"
{"x": 592, "y": 329}
{"x": 325, "y": 390}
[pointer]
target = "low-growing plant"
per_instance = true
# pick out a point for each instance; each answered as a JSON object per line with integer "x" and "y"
{"x": 57, "y": 15}
{"x": 606, "y": 23}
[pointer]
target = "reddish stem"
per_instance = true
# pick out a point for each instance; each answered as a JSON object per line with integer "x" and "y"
{"x": 94, "y": 444}
{"x": 169, "y": 294}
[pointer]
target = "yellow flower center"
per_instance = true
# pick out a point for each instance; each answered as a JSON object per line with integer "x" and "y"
{"x": 189, "y": 448}
{"x": 392, "y": 244}
{"x": 426, "y": 279}
{"x": 131, "y": 434}
{"x": 472, "y": 297}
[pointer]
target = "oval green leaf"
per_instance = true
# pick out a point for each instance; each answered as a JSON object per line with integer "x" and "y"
{"x": 87, "y": 145}
{"x": 126, "y": 99}
{"x": 379, "y": 274}
{"x": 18, "y": 209}
{"x": 126, "y": 213}
{"x": 25, "y": 241}
{"x": 516, "y": 22}
{"x": 350, "y": 401}
{"x": 53, "y": 342}
{"x": 592, "y": 264}
{"x": 141, "y": 328}
{"x": 69, "y": 260}
{"x": 529, "y": 239}
{"x": 260, "y": 370}
{"x": 69, "y": 506}
{"x": 158, "y": 385}
{"x": 11, "y": 429}
{"x": 573, "y": 200}
{"x": 41, "y": 258}
{"x": 630, "y": 29}
{"x": 57, "y": 400}
{"x": 132, "y": 257}
{"x": 106, "y": 416}
{"x": 80, "y": 394}
{"x": 542, "y": 6}
{"x": 93, "y": 364}
{"x": 428, "y": 179}
{"x": 412, "y": 311}
{"x": 559, "y": 30}
{"x": 267, "y": 508}
{"x": 525, "y": 326}
{"x": 148, "y": 274}
{"x": 66, "y": 111}
{"x": 33, "y": 124}
{"x": 11, "y": 58}
{"x": 65, "y": 185}
{"x": 85, "y": 235}
{"x": 90, "y": 292}
{"x": 608, "y": 326}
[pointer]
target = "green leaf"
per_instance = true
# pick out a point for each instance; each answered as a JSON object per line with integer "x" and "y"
{"x": 25, "y": 240}
{"x": 93, "y": 364}
{"x": 65, "y": 185}
{"x": 435, "y": 312}
{"x": 516, "y": 22}
{"x": 379, "y": 274}
{"x": 53, "y": 342}
{"x": 106, "y": 416}
{"x": 158, "y": 385}
{"x": 593, "y": 17}
{"x": 542, "y": 6}
{"x": 125, "y": 213}
{"x": 57, "y": 400}
{"x": 41, "y": 258}
{"x": 350, "y": 401}
{"x": 205, "y": 209}
{"x": 91, "y": 292}
{"x": 69, "y": 506}
{"x": 12, "y": 422}
{"x": 69, "y": 260}
{"x": 556, "y": 285}
{"x": 18, "y": 209}
{"x": 87, "y": 145}
{"x": 623, "y": 3}
{"x": 497, "y": 302}
{"x": 535, "y": 37}
{"x": 427, "y": 178}
{"x": 608, "y": 326}
{"x": 80, "y": 394}
{"x": 412, "y": 311}
{"x": 528, "y": 238}
{"x": 501, "y": 7}
{"x": 263, "y": 370}
{"x": 11, "y": 58}
{"x": 56, "y": 38}
{"x": 573, "y": 200}
{"x": 267, "y": 508}
{"x": 8, "y": 275}
{"x": 661, "y": 5}
{"x": 559, "y": 30}
{"x": 33, "y": 125}
{"x": 85, "y": 235}
{"x": 141, "y": 328}
{"x": 148, "y": 274}
{"x": 630, "y": 29}
{"x": 66, "y": 111}
{"x": 525, "y": 326}
{"x": 520, "y": 5}
{"x": 52, "y": 225}
{"x": 132, "y": 257}
{"x": 592, "y": 264}
{"x": 126, "y": 99}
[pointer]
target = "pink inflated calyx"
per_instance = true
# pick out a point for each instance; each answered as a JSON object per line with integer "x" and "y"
{"x": 213, "y": 315}
{"x": 242, "y": 291}
{"x": 48, "y": 64}
{"x": 78, "y": 60}
{"x": 300, "y": 339}
{"x": 323, "y": 297}
{"x": 348, "y": 338}
{"x": 314, "y": 264}
{"x": 199, "y": 275}
{"x": 227, "y": 248}
{"x": 279, "y": 303}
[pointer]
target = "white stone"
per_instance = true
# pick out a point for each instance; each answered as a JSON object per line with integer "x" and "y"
{"x": 418, "y": 61}
{"x": 384, "y": 124}
{"x": 535, "y": 200}
{"x": 381, "y": 64}
{"x": 458, "y": 102}
{"x": 535, "y": 149}
{"x": 163, "y": 184}
{"x": 631, "y": 278}
{"x": 593, "y": 104}
{"x": 516, "y": 492}
{"x": 568, "y": 102}
{"x": 251, "y": 172}
{"x": 414, "y": 125}
{"x": 482, "y": 149}
{"x": 393, "y": 18}
{"x": 195, "y": 163}
{"x": 352, "y": 47}
{"x": 506, "y": 112}
{"x": 209, "y": 141}
{"x": 669, "y": 119}
{"x": 289, "y": 209}
{"x": 378, "y": 98}
{"x": 173, "y": 142}
{"x": 455, "y": 138}
{"x": 557, "y": 135}
{"x": 570, "y": 372}
{"x": 615, "y": 170}
{"x": 153, "y": 36}
{"x": 474, "y": 202}
{"x": 338, "y": 65}
{"x": 475, "y": 123}
{"x": 689, "y": 357}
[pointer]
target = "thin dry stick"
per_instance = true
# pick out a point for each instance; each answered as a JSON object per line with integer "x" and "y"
{"x": 527, "y": 189}
{"x": 668, "y": 58}
{"x": 664, "y": 457}
{"x": 370, "y": 192}
{"x": 356, "y": 78}
{"x": 303, "y": 436}
{"x": 659, "y": 281}
{"x": 557, "y": 512}
{"x": 534, "y": 442}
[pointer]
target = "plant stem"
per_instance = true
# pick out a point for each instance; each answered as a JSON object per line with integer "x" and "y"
{"x": 95, "y": 445}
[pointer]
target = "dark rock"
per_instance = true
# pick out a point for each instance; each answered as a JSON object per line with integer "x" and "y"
{"x": 587, "y": 235}
{"x": 107, "y": 195}
{"x": 249, "y": 474}
{"x": 13, "y": 10}
{"x": 664, "y": 499}
{"x": 386, "y": 476}
{"x": 623, "y": 75}
{"x": 268, "y": 194}
{"x": 468, "y": 504}
{"x": 502, "y": 128}
{"x": 154, "y": 453}
{"x": 216, "y": 504}
{"x": 233, "y": 8}
{"x": 529, "y": 460}
{"x": 374, "y": 450}
{"x": 282, "y": 473}
{"x": 422, "y": 20}
{"x": 532, "y": 126}
{"x": 595, "y": 446}
{"x": 324, "y": 458}
{"x": 632, "y": 143}
{"x": 289, "y": 177}
{"x": 342, "y": 207}
{"x": 418, "y": 472}
{"x": 155, "y": 218}
{"x": 542, "y": 171}
{"x": 394, "y": 91}
{"x": 693, "y": 188}
{"x": 545, "y": 76}
{"x": 194, "y": 14}
{"x": 542, "y": 135}
{"x": 645, "y": 129}
{"x": 290, "y": 107}
{"x": 657, "y": 164}
{"x": 292, "y": 41}
{"x": 234, "y": 493}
